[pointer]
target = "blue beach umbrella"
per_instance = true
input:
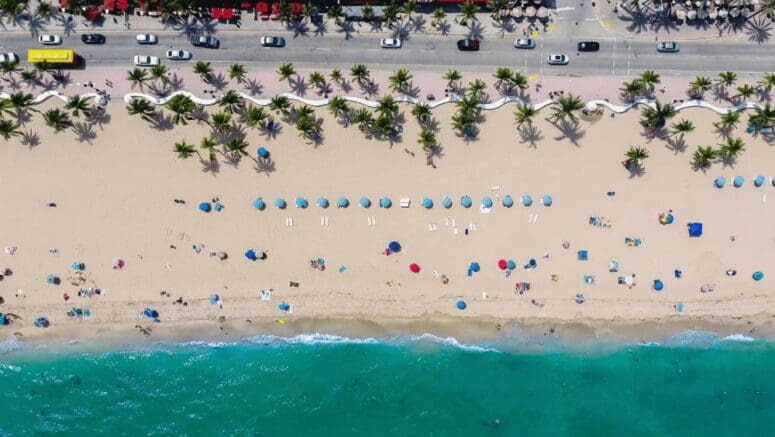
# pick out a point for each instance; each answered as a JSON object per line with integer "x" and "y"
{"x": 342, "y": 202}
{"x": 658, "y": 285}
{"x": 364, "y": 202}
{"x": 508, "y": 202}
{"x": 394, "y": 246}
{"x": 487, "y": 202}
{"x": 546, "y": 200}
{"x": 205, "y": 207}
{"x": 427, "y": 203}
{"x": 720, "y": 182}
{"x": 284, "y": 306}
{"x": 280, "y": 203}
{"x": 511, "y": 265}
{"x": 251, "y": 254}
{"x": 461, "y": 305}
{"x": 527, "y": 200}
{"x": 385, "y": 202}
{"x": 758, "y": 181}
{"x": 322, "y": 202}
{"x": 262, "y": 152}
{"x": 301, "y": 202}
{"x": 446, "y": 202}
{"x": 474, "y": 266}
{"x": 77, "y": 265}
{"x": 738, "y": 181}
{"x": 465, "y": 201}
{"x": 758, "y": 276}
{"x": 259, "y": 204}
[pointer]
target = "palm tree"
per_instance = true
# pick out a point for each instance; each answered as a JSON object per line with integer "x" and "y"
{"x": 204, "y": 70}
{"x": 726, "y": 79}
{"x": 728, "y": 121}
{"x": 255, "y": 116}
{"x": 136, "y": 77}
{"x": 305, "y": 111}
{"x": 338, "y": 106}
{"x": 6, "y": 107}
{"x": 209, "y": 144}
{"x": 383, "y": 126}
{"x": 502, "y": 75}
{"x": 336, "y": 13}
{"x": 518, "y": 80}
{"x": 635, "y": 156}
{"x": 700, "y": 85}
{"x": 141, "y": 107}
{"x": 631, "y": 90}
{"x": 28, "y": 76}
{"x": 681, "y": 128}
{"x": 9, "y": 129}
{"x": 767, "y": 82}
{"x": 464, "y": 121}
{"x": 766, "y": 7}
{"x": 78, "y": 104}
{"x": 566, "y": 107}
{"x": 359, "y": 72}
{"x": 21, "y": 102}
{"x": 44, "y": 10}
{"x": 279, "y": 104}
{"x": 231, "y": 102}
{"x": 410, "y": 7}
{"x": 468, "y": 10}
{"x": 182, "y": 108}
{"x": 731, "y": 149}
{"x": 183, "y": 149}
{"x": 468, "y": 104}
{"x": 363, "y": 118}
{"x": 235, "y": 147}
{"x": 703, "y": 157}
{"x": 7, "y": 68}
{"x": 387, "y": 105}
{"x": 58, "y": 119}
{"x": 649, "y": 79}
{"x": 476, "y": 88}
{"x": 400, "y": 79}
{"x": 367, "y": 12}
{"x": 159, "y": 72}
{"x": 745, "y": 91}
{"x": 654, "y": 118}
{"x": 43, "y": 67}
{"x": 422, "y": 112}
{"x": 390, "y": 14}
{"x": 238, "y": 71}
{"x": 221, "y": 121}
{"x": 524, "y": 114}
{"x": 453, "y": 78}
{"x": 763, "y": 116}
{"x": 427, "y": 139}
{"x": 285, "y": 71}
{"x": 317, "y": 79}
{"x": 438, "y": 15}
{"x": 306, "y": 127}
{"x": 336, "y": 76}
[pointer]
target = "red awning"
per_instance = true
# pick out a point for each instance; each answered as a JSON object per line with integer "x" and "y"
{"x": 262, "y": 8}
{"x": 215, "y": 13}
{"x": 227, "y": 14}
{"x": 296, "y": 8}
{"x": 63, "y": 3}
{"x": 109, "y": 5}
{"x": 275, "y": 8}
{"x": 122, "y": 5}
{"x": 92, "y": 13}
{"x": 244, "y": 5}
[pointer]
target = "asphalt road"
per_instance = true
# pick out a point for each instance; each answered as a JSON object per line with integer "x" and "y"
{"x": 617, "y": 57}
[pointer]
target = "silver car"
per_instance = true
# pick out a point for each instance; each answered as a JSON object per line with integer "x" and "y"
{"x": 525, "y": 43}
{"x": 668, "y": 47}
{"x": 178, "y": 55}
{"x": 390, "y": 43}
{"x": 558, "y": 59}
{"x": 146, "y": 38}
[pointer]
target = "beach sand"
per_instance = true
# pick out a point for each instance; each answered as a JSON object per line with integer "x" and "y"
{"x": 114, "y": 197}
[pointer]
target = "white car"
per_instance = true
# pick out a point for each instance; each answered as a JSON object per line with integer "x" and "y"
{"x": 390, "y": 43}
{"x": 50, "y": 40}
{"x": 178, "y": 55}
{"x": 146, "y": 61}
{"x": 558, "y": 59}
{"x": 668, "y": 47}
{"x": 146, "y": 38}
{"x": 9, "y": 57}
{"x": 525, "y": 43}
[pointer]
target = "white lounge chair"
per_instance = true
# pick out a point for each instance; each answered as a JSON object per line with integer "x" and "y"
{"x": 405, "y": 202}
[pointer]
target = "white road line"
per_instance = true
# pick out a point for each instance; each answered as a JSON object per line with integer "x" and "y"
{"x": 613, "y": 60}
{"x": 629, "y": 55}
{"x": 568, "y": 8}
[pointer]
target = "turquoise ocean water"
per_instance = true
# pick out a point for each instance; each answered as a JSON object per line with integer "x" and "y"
{"x": 696, "y": 384}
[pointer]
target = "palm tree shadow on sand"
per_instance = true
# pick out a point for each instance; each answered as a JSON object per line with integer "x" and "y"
{"x": 266, "y": 166}
{"x": 161, "y": 121}
{"x": 30, "y": 139}
{"x": 210, "y": 165}
{"x": 84, "y": 132}
{"x": 569, "y": 130}
{"x": 254, "y": 87}
{"x": 531, "y": 135}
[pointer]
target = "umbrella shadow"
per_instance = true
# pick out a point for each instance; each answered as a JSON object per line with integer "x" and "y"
{"x": 759, "y": 30}
{"x": 531, "y": 135}
{"x": 254, "y": 87}
{"x": 570, "y": 131}
{"x": 84, "y": 132}
{"x": 30, "y": 139}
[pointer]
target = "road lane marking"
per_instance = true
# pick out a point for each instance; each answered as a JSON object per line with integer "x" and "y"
{"x": 613, "y": 60}
{"x": 567, "y": 8}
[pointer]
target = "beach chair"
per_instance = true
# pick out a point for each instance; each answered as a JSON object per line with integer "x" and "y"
{"x": 613, "y": 266}
{"x": 404, "y": 202}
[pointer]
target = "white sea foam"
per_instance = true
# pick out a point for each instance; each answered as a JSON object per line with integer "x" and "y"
{"x": 11, "y": 344}
{"x": 689, "y": 338}
{"x": 451, "y": 341}
{"x": 738, "y": 337}
{"x": 314, "y": 338}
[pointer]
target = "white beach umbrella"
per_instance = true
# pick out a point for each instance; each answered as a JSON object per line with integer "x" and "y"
{"x": 722, "y": 13}
{"x": 691, "y": 15}
{"x": 712, "y": 13}
{"x": 542, "y": 12}
{"x": 680, "y": 13}
{"x": 734, "y": 12}
{"x": 517, "y": 12}
{"x": 530, "y": 11}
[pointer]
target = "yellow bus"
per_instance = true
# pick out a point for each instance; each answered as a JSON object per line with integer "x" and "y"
{"x": 53, "y": 56}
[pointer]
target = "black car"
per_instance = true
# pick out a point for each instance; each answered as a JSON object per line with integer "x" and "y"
{"x": 93, "y": 38}
{"x": 468, "y": 45}
{"x": 588, "y": 46}
{"x": 210, "y": 42}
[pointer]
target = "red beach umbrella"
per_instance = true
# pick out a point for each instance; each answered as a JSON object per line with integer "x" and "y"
{"x": 502, "y": 264}
{"x": 414, "y": 267}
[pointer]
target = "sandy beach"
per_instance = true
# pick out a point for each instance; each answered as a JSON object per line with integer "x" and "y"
{"x": 114, "y": 200}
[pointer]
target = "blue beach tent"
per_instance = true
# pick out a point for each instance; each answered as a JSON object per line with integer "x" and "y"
{"x": 546, "y": 200}
{"x": 342, "y": 202}
{"x": 695, "y": 229}
{"x": 508, "y": 202}
{"x": 487, "y": 202}
{"x": 465, "y": 201}
{"x": 279, "y": 203}
{"x": 658, "y": 285}
{"x": 385, "y": 202}
{"x": 205, "y": 207}
{"x": 738, "y": 181}
{"x": 446, "y": 202}
{"x": 461, "y": 305}
{"x": 394, "y": 246}
{"x": 301, "y": 202}
{"x": 720, "y": 182}
{"x": 364, "y": 202}
{"x": 758, "y": 181}
{"x": 259, "y": 204}
{"x": 427, "y": 203}
{"x": 322, "y": 202}
{"x": 527, "y": 200}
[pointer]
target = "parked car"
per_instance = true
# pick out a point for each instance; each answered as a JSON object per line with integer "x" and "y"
{"x": 588, "y": 46}
{"x": 390, "y": 43}
{"x": 525, "y": 43}
{"x": 146, "y": 61}
{"x": 92, "y": 38}
{"x": 9, "y": 57}
{"x": 668, "y": 47}
{"x": 50, "y": 40}
{"x": 468, "y": 45}
{"x": 178, "y": 55}
{"x": 272, "y": 41}
{"x": 146, "y": 38}
{"x": 207, "y": 41}
{"x": 558, "y": 59}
